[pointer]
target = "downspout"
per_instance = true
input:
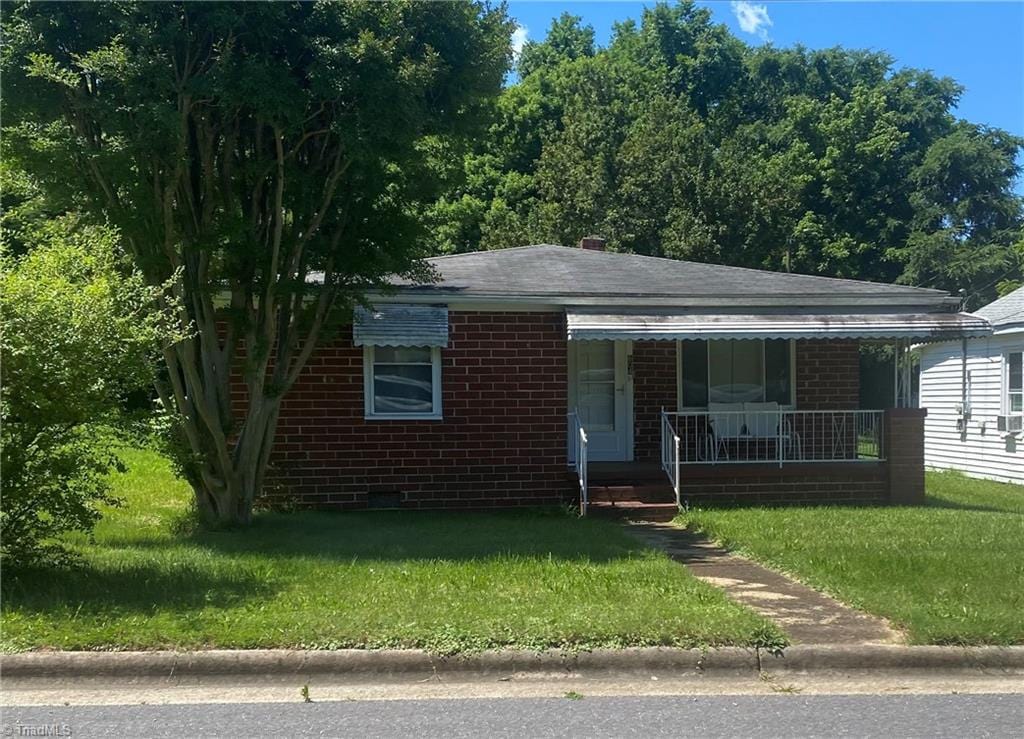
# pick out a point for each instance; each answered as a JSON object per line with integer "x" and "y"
{"x": 963, "y": 389}
{"x": 964, "y": 415}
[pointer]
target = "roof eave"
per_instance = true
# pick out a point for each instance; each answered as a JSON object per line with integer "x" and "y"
{"x": 429, "y": 294}
{"x": 1008, "y": 328}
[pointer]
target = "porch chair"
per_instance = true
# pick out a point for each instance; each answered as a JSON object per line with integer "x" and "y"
{"x": 727, "y": 422}
{"x": 765, "y": 422}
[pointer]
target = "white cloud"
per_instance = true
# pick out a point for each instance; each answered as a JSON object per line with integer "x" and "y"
{"x": 519, "y": 40}
{"x": 752, "y": 18}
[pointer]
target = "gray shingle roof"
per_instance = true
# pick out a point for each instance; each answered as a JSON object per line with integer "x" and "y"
{"x": 566, "y": 272}
{"x": 1008, "y": 310}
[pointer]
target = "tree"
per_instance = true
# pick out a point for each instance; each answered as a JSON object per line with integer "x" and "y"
{"x": 965, "y": 232}
{"x": 266, "y": 158}
{"x": 567, "y": 39}
{"x": 79, "y": 338}
{"x": 679, "y": 140}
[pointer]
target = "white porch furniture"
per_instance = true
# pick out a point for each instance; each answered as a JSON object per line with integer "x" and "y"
{"x": 745, "y": 425}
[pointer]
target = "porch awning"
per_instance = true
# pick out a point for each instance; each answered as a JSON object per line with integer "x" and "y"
{"x": 584, "y": 325}
{"x": 392, "y": 324}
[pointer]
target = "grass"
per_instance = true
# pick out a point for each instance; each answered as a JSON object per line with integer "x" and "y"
{"x": 447, "y": 582}
{"x": 949, "y": 572}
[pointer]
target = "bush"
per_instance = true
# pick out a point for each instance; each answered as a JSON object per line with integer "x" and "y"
{"x": 78, "y": 339}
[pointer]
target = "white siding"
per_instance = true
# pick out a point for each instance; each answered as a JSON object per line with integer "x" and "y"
{"x": 981, "y": 451}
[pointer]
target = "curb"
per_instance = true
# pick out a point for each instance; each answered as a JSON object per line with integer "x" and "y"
{"x": 363, "y": 662}
{"x": 813, "y": 658}
{"x": 598, "y": 663}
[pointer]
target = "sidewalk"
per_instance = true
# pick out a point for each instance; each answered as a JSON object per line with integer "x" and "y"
{"x": 807, "y": 616}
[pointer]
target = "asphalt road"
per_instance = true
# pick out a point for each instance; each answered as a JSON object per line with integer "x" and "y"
{"x": 724, "y": 716}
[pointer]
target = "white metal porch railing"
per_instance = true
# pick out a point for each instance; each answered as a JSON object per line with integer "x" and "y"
{"x": 782, "y": 436}
{"x": 578, "y": 456}
{"x": 670, "y": 452}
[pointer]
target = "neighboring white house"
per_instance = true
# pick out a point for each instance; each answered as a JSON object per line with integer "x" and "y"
{"x": 974, "y": 393}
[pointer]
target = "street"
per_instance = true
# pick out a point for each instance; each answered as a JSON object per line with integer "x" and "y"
{"x": 951, "y": 715}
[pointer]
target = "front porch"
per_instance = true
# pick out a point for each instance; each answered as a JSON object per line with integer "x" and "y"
{"x": 652, "y": 490}
{"x": 644, "y": 490}
{"x": 778, "y": 422}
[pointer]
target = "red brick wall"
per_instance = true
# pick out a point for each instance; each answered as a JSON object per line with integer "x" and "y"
{"x": 796, "y": 483}
{"x": 654, "y": 388}
{"x": 827, "y": 374}
{"x": 502, "y": 441}
{"x": 904, "y": 451}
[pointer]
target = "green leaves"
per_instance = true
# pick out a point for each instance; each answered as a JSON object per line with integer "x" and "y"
{"x": 45, "y": 67}
{"x": 679, "y": 140}
{"x": 567, "y": 39}
{"x": 238, "y": 148}
{"x": 80, "y": 338}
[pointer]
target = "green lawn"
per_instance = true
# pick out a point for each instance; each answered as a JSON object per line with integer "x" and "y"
{"x": 950, "y": 572}
{"x": 445, "y": 582}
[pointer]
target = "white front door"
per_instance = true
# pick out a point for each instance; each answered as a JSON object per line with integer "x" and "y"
{"x": 600, "y": 389}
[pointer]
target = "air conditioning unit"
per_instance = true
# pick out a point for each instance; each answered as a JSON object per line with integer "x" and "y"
{"x": 1010, "y": 424}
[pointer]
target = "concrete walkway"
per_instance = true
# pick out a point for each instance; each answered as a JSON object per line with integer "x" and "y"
{"x": 807, "y": 616}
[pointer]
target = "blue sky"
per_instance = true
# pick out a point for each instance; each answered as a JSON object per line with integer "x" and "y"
{"x": 979, "y": 44}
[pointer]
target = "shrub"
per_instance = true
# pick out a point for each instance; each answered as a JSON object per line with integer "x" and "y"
{"x": 78, "y": 339}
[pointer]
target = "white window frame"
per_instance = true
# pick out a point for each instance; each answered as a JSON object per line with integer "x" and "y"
{"x": 1006, "y": 385}
{"x": 370, "y": 414}
{"x": 697, "y": 409}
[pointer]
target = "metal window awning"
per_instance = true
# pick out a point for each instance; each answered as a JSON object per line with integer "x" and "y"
{"x": 392, "y": 324}
{"x": 589, "y": 325}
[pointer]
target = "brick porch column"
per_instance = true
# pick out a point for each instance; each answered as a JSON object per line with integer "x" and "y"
{"x": 904, "y": 452}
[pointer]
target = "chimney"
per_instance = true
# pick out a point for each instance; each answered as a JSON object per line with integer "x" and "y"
{"x": 592, "y": 243}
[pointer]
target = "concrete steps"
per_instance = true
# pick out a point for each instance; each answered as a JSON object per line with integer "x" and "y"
{"x": 630, "y": 490}
{"x": 624, "y": 492}
{"x": 634, "y": 510}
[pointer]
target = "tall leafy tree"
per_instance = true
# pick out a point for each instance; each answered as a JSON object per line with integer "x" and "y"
{"x": 964, "y": 229}
{"x": 265, "y": 158}
{"x": 567, "y": 39}
{"x": 679, "y": 140}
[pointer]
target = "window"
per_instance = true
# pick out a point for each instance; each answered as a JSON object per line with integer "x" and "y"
{"x": 745, "y": 371}
{"x": 1014, "y": 384}
{"x": 402, "y": 382}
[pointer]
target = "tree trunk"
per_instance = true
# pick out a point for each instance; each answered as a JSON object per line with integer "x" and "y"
{"x": 225, "y": 463}
{"x": 225, "y": 494}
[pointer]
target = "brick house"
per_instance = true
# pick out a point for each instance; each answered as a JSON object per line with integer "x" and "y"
{"x": 544, "y": 375}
